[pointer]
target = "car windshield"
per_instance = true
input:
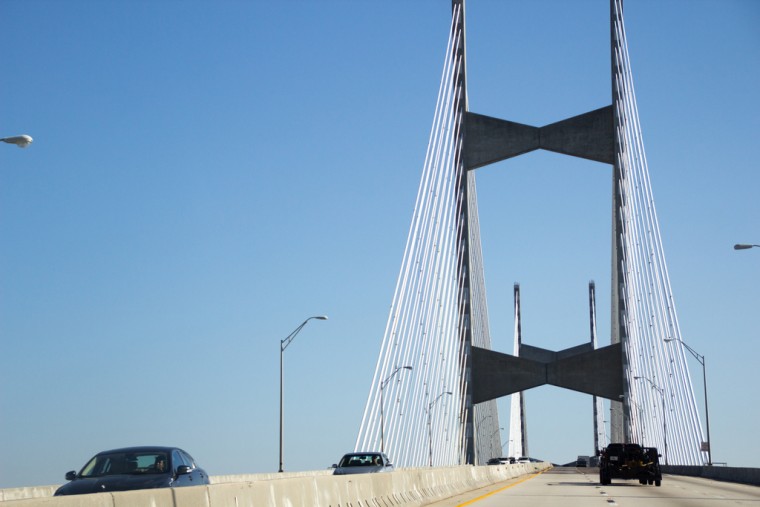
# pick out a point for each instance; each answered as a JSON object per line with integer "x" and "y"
{"x": 149, "y": 462}
{"x": 361, "y": 460}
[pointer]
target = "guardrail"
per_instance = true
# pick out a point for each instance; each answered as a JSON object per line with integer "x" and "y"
{"x": 721, "y": 473}
{"x": 410, "y": 487}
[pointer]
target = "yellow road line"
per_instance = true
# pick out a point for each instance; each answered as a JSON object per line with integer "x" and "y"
{"x": 469, "y": 502}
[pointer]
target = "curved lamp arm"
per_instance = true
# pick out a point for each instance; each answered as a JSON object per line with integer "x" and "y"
{"x": 284, "y": 343}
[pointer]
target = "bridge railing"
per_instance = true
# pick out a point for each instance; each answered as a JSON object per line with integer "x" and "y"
{"x": 743, "y": 475}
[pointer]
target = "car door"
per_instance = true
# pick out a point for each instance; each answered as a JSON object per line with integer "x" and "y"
{"x": 180, "y": 479}
{"x": 198, "y": 474}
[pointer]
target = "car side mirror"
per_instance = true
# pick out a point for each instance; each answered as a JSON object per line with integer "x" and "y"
{"x": 70, "y": 476}
{"x": 334, "y": 465}
{"x": 659, "y": 455}
{"x": 389, "y": 464}
{"x": 183, "y": 469}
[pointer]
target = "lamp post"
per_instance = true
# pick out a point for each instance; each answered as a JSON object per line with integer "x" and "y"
{"x": 283, "y": 345}
{"x": 664, "y": 421}
{"x": 643, "y": 422}
{"x": 491, "y": 441}
{"x": 482, "y": 422}
{"x": 745, "y": 246}
{"x": 701, "y": 359}
{"x": 21, "y": 141}
{"x": 430, "y": 429}
{"x": 382, "y": 404}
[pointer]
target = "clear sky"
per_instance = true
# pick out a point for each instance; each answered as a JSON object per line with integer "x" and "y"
{"x": 207, "y": 175}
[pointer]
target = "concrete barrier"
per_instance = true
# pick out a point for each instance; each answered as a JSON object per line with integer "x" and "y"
{"x": 44, "y": 491}
{"x": 408, "y": 488}
{"x": 718, "y": 473}
{"x": 30, "y": 492}
{"x": 221, "y": 479}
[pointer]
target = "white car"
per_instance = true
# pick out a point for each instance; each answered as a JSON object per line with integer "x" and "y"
{"x": 363, "y": 463}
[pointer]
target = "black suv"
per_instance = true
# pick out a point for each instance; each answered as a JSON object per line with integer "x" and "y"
{"x": 630, "y": 461}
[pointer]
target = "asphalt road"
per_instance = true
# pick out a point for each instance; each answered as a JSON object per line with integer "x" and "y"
{"x": 579, "y": 487}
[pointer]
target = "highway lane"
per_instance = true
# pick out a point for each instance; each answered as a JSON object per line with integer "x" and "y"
{"x": 579, "y": 487}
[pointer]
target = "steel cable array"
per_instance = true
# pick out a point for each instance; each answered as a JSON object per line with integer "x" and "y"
{"x": 417, "y": 409}
{"x": 661, "y": 404}
{"x": 425, "y": 411}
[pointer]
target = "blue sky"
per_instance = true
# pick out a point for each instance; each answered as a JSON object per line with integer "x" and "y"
{"x": 206, "y": 175}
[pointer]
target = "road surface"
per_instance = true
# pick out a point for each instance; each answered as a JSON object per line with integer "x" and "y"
{"x": 579, "y": 487}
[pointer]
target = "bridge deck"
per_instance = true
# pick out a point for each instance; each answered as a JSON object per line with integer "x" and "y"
{"x": 579, "y": 487}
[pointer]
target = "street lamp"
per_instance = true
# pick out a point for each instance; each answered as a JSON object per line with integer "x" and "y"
{"x": 641, "y": 416}
{"x": 382, "y": 404}
{"x": 283, "y": 345}
{"x": 701, "y": 360}
{"x": 430, "y": 430}
{"x": 490, "y": 443}
{"x": 664, "y": 422}
{"x": 744, "y": 246}
{"x": 21, "y": 141}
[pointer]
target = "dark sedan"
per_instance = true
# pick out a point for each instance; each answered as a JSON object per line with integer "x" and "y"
{"x": 135, "y": 468}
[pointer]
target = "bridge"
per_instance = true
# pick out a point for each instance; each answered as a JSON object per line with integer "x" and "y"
{"x": 431, "y": 404}
{"x": 432, "y": 398}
